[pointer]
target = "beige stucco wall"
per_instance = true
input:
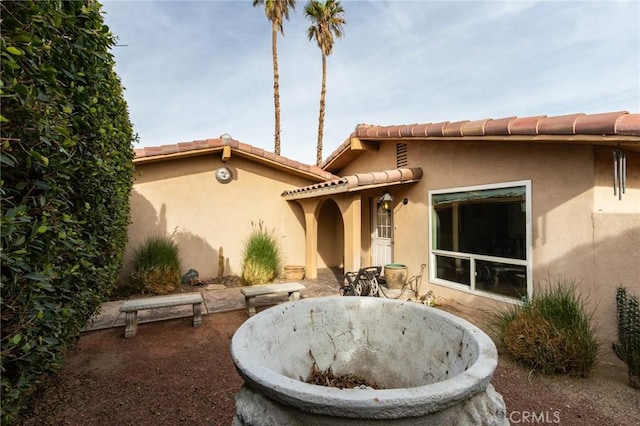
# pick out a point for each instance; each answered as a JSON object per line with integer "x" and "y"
{"x": 330, "y": 235}
{"x": 182, "y": 195}
{"x": 580, "y": 231}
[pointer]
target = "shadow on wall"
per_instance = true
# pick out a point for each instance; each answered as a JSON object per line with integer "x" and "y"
{"x": 598, "y": 269}
{"x": 195, "y": 252}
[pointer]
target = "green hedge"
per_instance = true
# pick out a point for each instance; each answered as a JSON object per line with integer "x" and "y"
{"x": 66, "y": 155}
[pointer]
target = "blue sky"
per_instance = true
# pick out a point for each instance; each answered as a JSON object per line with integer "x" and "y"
{"x": 198, "y": 69}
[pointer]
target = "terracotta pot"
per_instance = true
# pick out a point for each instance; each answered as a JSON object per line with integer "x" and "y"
{"x": 395, "y": 274}
{"x": 293, "y": 272}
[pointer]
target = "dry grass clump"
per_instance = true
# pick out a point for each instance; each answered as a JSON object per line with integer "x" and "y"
{"x": 156, "y": 266}
{"x": 261, "y": 256}
{"x": 552, "y": 333}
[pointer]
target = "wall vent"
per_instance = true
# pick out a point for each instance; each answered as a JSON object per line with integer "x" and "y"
{"x": 401, "y": 155}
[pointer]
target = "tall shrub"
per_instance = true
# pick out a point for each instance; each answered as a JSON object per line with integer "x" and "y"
{"x": 66, "y": 154}
{"x": 552, "y": 333}
{"x": 261, "y": 258}
{"x": 156, "y": 266}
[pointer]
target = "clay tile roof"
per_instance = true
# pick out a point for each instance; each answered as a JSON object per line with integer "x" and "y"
{"x": 372, "y": 131}
{"x": 406, "y": 130}
{"x": 392, "y": 176}
{"x": 379, "y": 177}
{"x": 628, "y": 124}
{"x": 560, "y": 125}
{"x": 436, "y": 129}
{"x": 474, "y": 128}
{"x": 357, "y": 182}
{"x": 526, "y": 125}
{"x": 454, "y": 129}
{"x": 499, "y": 127}
{"x": 610, "y": 124}
{"x": 598, "y": 124}
{"x": 419, "y": 129}
{"x": 199, "y": 147}
{"x": 364, "y": 179}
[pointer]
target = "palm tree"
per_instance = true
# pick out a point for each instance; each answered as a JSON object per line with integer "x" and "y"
{"x": 276, "y": 11}
{"x": 327, "y": 19}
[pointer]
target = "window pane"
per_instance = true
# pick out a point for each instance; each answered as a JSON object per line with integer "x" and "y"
{"x": 501, "y": 278}
{"x": 452, "y": 269}
{"x": 490, "y": 222}
{"x": 444, "y": 228}
{"x": 384, "y": 224}
{"x": 492, "y": 229}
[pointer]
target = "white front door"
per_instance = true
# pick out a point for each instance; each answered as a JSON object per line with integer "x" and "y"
{"x": 381, "y": 236}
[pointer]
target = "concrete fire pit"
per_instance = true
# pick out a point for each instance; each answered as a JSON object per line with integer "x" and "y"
{"x": 434, "y": 367}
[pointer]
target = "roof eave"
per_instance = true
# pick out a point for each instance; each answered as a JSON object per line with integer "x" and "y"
{"x": 293, "y": 168}
{"x": 342, "y": 189}
{"x": 342, "y": 158}
{"x": 618, "y": 128}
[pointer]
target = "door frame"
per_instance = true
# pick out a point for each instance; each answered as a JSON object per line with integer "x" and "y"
{"x": 377, "y": 242}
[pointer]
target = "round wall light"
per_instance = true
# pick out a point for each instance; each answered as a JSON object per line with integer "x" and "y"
{"x": 224, "y": 175}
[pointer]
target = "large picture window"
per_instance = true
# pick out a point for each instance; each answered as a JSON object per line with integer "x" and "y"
{"x": 480, "y": 239}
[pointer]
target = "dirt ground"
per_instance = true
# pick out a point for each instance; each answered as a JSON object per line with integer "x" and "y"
{"x": 172, "y": 373}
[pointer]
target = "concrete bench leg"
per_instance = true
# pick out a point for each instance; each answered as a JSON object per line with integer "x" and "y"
{"x": 251, "y": 305}
{"x": 197, "y": 314}
{"x": 294, "y": 295}
{"x": 131, "y": 324}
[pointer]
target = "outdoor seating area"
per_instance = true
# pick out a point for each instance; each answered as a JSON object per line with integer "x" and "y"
{"x": 250, "y": 293}
{"x": 330, "y": 282}
{"x": 131, "y": 308}
{"x": 113, "y": 314}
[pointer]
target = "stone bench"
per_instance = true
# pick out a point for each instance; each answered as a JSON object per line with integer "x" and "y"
{"x": 250, "y": 293}
{"x": 131, "y": 308}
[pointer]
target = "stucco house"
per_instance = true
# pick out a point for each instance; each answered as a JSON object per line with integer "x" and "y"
{"x": 495, "y": 208}
{"x": 210, "y": 194}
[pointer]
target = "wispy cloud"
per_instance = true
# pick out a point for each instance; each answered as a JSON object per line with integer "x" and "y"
{"x": 194, "y": 70}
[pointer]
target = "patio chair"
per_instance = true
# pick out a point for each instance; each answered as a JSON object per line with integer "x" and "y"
{"x": 362, "y": 283}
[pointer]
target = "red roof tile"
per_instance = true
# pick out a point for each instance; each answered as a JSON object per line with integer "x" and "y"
{"x": 597, "y": 124}
{"x": 454, "y": 129}
{"x": 526, "y": 125}
{"x": 167, "y": 152}
{"x": 628, "y": 124}
{"x": 613, "y": 124}
{"x": 405, "y": 131}
{"x": 499, "y": 127}
{"x": 619, "y": 123}
{"x": 561, "y": 125}
{"x": 357, "y": 182}
{"x": 419, "y": 129}
{"x": 474, "y": 128}
{"x": 394, "y": 131}
{"x": 436, "y": 129}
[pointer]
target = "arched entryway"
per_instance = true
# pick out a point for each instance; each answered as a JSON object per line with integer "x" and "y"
{"x": 337, "y": 204}
{"x": 330, "y": 235}
{"x": 328, "y": 214}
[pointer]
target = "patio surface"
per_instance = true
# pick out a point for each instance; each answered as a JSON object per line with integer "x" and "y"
{"x": 223, "y": 300}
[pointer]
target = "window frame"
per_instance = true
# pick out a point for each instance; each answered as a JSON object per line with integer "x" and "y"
{"x": 387, "y": 225}
{"x": 527, "y": 262}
